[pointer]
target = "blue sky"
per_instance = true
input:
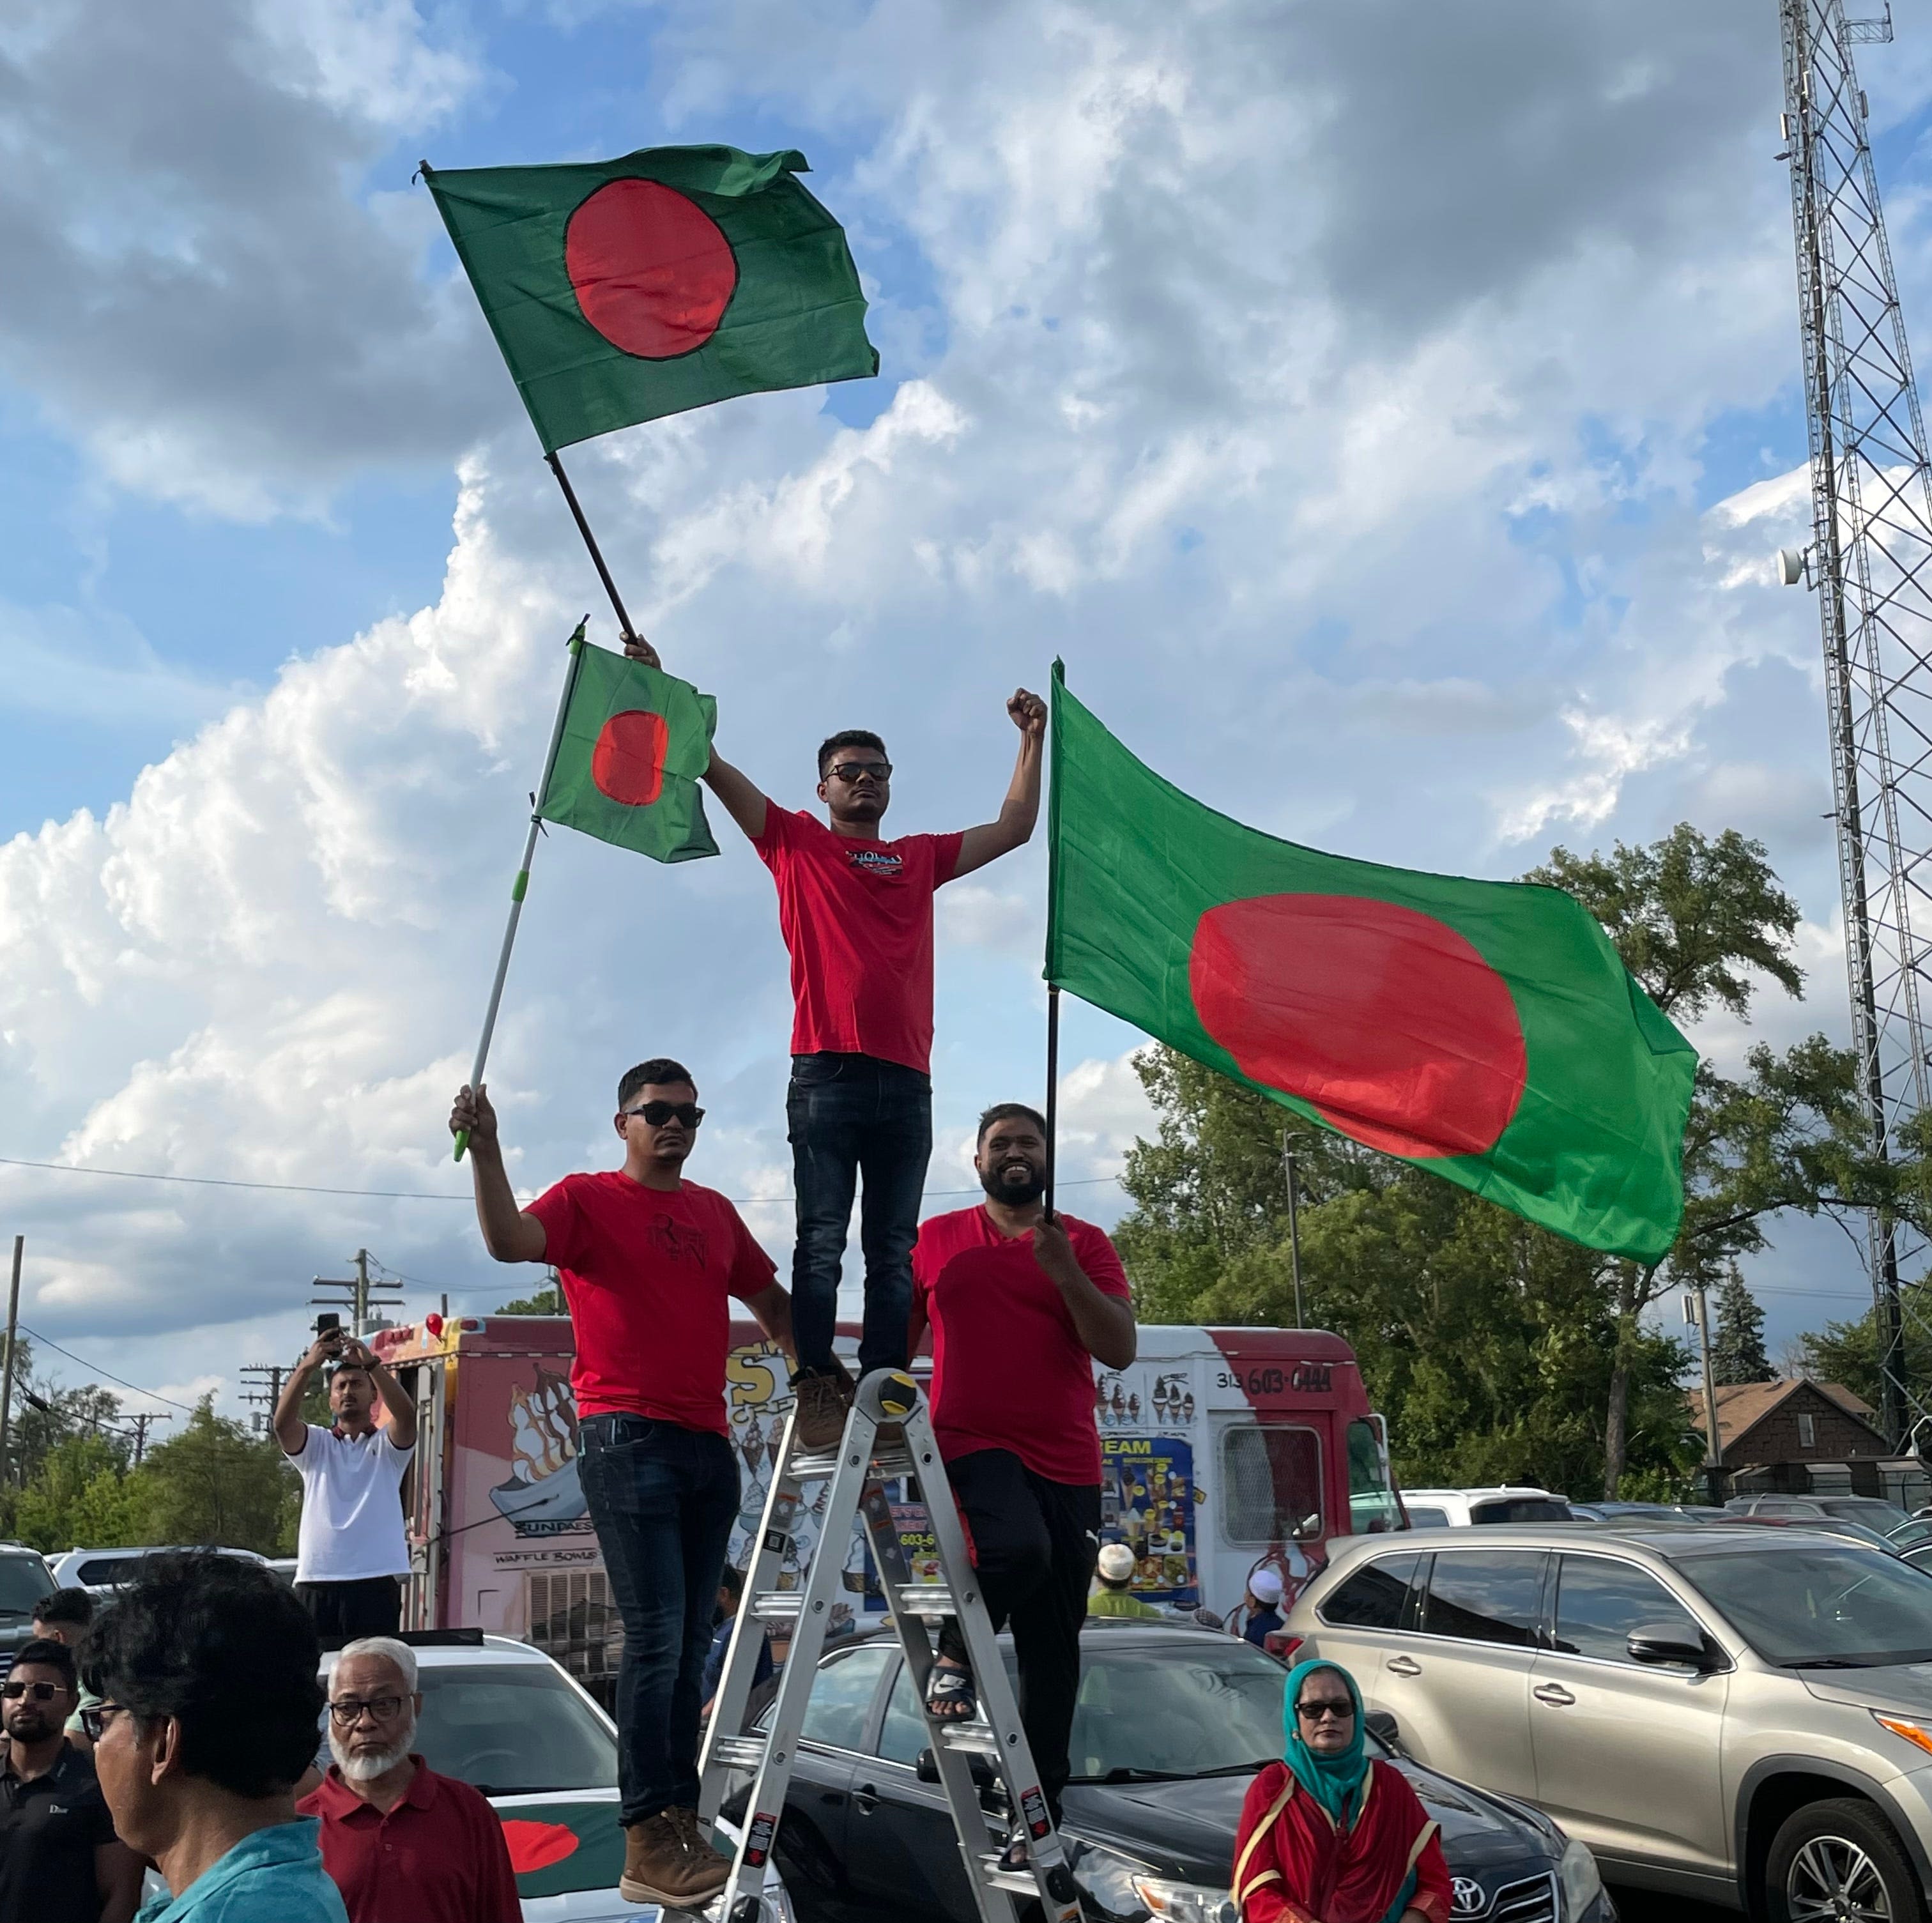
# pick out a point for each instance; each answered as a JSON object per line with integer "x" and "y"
{"x": 1364, "y": 405}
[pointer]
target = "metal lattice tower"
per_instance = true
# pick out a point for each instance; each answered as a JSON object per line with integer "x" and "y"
{"x": 1871, "y": 561}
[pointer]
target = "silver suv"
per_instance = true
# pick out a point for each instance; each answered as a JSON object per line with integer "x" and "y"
{"x": 1740, "y": 1715}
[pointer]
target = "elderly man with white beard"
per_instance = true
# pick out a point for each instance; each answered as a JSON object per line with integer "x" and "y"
{"x": 401, "y": 1843}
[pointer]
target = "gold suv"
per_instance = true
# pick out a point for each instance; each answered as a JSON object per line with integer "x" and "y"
{"x": 1740, "y": 1714}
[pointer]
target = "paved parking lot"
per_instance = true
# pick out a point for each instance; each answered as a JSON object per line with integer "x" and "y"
{"x": 1643, "y": 1905}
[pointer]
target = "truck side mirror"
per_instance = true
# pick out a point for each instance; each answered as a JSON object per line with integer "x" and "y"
{"x": 1669, "y": 1642}
{"x": 1385, "y": 1729}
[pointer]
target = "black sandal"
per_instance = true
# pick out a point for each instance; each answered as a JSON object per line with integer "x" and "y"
{"x": 1017, "y": 1858}
{"x": 950, "y": 1696}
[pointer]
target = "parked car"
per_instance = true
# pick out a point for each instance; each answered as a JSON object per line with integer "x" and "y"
{"x": 1455, "y": 1508}
{"x": 1740, "y": 1714}
{"x": 504, "y": 1718}
{"x": 1881, "y": 1517}
{"x": 1827, "y": 1525}
{"x": 99, "y": 1570}
{"x": 1172, "y": 1724}
{"x": 25, "y": 1578}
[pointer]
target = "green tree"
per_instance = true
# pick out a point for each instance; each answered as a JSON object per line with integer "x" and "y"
{"x": 81, "y": 1496}
{"x": 547, "y": 1300}
{"x": 215, "y": 1483}
{"x": 1737, "y": 1353}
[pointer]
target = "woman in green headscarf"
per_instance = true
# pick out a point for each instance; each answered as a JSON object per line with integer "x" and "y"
{"x": 1328, "y": 1836}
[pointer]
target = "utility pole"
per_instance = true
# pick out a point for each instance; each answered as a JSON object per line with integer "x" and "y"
{"x": 358, "y": 1294}
{"x": 141, "y": 1423}
{"x": 266, "y": 1379}
{"x": 1697, "y": 1310}
{"x": 1293, "y": 1225}
{"x": 7, "y": 1377}
{"x": 1871, "y": 532}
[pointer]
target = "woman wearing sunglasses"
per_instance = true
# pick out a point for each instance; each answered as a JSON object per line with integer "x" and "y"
{"x": 1328, "y": 1836}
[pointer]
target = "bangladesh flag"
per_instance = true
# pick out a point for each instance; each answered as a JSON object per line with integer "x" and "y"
{"x": 633, "y": 743}
{"x": 621, "y": 290}
{"x": 1487, "y": 1031}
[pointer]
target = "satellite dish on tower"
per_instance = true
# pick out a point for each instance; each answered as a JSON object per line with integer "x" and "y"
{"x": 1791, "y": 568}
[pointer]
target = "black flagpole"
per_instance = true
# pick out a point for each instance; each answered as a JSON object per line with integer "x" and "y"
{"x": 624, "y": 627}
{"x": 1052, "y": 986}
{"x": 1052, "y": 1089}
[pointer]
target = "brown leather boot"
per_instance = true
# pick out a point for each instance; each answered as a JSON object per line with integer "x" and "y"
{"x": 661, "y": 1866}
{"x": 823, "y": 1399}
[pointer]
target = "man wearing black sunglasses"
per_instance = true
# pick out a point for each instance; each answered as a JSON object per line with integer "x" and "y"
{"x": 649, "y": 1263}
{"x": 856, "y": 911}
{"x": 60, "y": 1861}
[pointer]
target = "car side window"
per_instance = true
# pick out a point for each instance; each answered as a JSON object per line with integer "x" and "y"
{"x": 1371, "y": 1598}
{"x": 1599, "y": 1602}
{"x": 841, "y": 1697}
{"x": 1486, "y": 1596}
{"x": 1423, "y": 1516}
{"x": 902, "y": 1735}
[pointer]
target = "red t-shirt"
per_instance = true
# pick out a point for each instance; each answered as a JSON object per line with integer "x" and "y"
{"x": 857, "y": 918}
{"x": 646, "y": 1273}
{"x": 1008, "y": 1370}
{"x": 439, "y": 1856}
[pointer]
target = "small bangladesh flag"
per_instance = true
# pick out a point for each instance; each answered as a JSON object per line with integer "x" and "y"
{"x": 1487, "y": 1031}
{"x": 633, "y": 743}
{"x": 622, "y": 290}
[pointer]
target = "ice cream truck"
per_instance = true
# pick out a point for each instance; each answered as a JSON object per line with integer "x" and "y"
{"x": 1222, "y": 1450}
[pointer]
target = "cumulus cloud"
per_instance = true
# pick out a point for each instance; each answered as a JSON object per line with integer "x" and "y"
{"x": 1368, "y": 518}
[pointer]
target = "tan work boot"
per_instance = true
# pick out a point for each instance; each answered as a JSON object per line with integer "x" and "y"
{"x": 705, "y": 1856}
{"x": 824, "y": 1401}
{"x": 661, "y": 1865}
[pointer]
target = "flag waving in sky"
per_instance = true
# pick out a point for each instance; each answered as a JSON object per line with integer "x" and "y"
{"x": 634, "y": 742}
{"x": 1485, "y": 1030}
{"x": 621, "y": 290}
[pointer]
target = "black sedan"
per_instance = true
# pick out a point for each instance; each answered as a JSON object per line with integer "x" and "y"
{"x": 1173, "y": 1724}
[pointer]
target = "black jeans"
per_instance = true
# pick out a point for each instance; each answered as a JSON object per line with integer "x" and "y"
{"x": 662, "y": 1499}
{"x": 1034, "y": 1543}
{"x": 849, "y": 1114}
{"x": 344, "y": 1611}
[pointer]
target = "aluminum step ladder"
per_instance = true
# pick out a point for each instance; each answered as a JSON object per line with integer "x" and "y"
{"x": 857, "y": 1472}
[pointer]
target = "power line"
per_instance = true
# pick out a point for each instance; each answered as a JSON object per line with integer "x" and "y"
{"x": 153, "y": 1396}
{"x": 399, "y": 1194}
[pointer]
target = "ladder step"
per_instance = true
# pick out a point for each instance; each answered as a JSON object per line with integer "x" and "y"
{"x": 777, "y": 1605}
{"x": 817, "y": 1467}
{"x": 738, "y": 1752}
{"x": 1020, "y": 1882}
{"x": 971, "y": 1739}
{"x": 926, "y": 1599}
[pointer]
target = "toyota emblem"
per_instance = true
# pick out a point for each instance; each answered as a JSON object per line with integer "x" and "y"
{"x": 1468, "y": 1898}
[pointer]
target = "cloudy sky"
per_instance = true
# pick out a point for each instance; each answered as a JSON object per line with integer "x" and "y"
{"x": 1388, "y": 412}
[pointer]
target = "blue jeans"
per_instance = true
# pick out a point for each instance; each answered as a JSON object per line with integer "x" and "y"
{"x": 849, "y": 1114}
{"x": 662, "y": 1499}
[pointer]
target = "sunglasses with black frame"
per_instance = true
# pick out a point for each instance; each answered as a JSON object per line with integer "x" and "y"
{"x": 656, "y": 1114}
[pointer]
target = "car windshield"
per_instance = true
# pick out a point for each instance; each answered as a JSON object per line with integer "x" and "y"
{"x": 24, "y": 1580}
{"x": 509, "y": 1727}
{"x": 1168, "y": 1708}
{"x": 1805, "y": 1604}
{"x": 1882, "y": 1516}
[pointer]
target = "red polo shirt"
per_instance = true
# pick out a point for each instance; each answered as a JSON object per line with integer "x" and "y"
{"x": 438, "y": 1857}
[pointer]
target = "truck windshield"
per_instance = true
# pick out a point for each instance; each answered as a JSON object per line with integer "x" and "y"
{"x": 505, "y": 1728}
{"x": 1806, "y": 1603}
{"x": 1372, "y": 1503}
{"x": 24, "y": 1580}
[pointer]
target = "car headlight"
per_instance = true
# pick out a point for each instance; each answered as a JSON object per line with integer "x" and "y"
{"x": 1582, "y": 1883}
{"x": 1184, "y": 1903}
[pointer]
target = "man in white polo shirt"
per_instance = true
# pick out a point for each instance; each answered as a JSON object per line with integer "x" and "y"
{"x": 351, "y": 1551}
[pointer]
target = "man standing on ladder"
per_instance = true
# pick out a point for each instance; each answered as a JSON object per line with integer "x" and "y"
{"x": 856, "y": 911}
{"x": 1021, "y": 1307}
{"x": 648, "y": 1263}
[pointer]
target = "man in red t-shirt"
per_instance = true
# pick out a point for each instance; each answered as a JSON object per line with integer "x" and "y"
{"x": 856, "y": 911}
{"x": 1021, "y": 1307}
{"x": 649, "y": 1265}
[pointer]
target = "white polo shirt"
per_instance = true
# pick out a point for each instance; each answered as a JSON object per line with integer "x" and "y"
{"x": 352, "y": 1512}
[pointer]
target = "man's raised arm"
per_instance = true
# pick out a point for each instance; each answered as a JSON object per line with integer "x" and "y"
{"x": 1020, "y": 808}
{"x": 291, "y": 1432}
{"x": 509, "y": 1234}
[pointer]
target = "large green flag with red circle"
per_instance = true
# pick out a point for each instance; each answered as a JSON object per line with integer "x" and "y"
{"x": 634, "y": 742}
{"x": 1487, "y": 1031}
{"x": 622, "y": 290}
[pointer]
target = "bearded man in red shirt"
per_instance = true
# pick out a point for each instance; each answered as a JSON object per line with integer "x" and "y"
{"x": 1021, "y": 1305}
{"x": 856, "y": 911}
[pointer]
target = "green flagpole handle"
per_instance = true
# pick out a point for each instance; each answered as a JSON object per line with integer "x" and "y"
{"x": 462, "y": 1143}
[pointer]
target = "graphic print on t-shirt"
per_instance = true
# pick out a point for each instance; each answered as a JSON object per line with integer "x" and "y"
{"x": 679, "y": 1241}
{"x": 887, "y": 862}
